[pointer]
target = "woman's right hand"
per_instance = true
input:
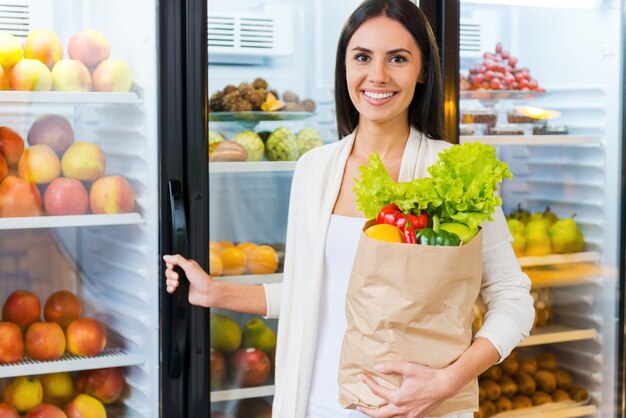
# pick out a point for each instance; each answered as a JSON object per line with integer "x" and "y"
{"x": 200, "y": 283}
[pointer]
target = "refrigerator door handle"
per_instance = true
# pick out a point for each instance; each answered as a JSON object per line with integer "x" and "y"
{"x": 180, "y": 307}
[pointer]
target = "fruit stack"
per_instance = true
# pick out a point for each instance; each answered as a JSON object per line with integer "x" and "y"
{"x": 240, "y": 357}
{"x": 228, "y": 259}
{"x": 70, "y": 174}
{"x": 543, "y": 233}
{"x": 39, "y": 65}
{"x": 519, "y": 383}
{"x": 280, "y": 145}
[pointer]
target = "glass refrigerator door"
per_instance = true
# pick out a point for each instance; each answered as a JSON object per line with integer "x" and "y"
{"x": 79, "y": 220}
{"x": 547, "y": 96}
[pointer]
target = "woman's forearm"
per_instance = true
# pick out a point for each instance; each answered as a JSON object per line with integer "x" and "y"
{"x": 476, "y": 359}
{"x": 239, "y": 297}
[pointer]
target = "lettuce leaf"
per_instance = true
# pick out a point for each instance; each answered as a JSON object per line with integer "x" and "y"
{"x": 462, "y": 186}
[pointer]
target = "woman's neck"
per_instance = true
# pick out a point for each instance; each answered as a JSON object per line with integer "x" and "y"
{"x": 387, "y": 139}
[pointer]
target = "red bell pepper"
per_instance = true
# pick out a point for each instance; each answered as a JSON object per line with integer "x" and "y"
{"x": 392, "y": 215}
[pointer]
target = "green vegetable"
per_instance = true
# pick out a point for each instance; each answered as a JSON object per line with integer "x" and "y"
{"x": 462, "y": 231}
{"x": 429, "y": 236}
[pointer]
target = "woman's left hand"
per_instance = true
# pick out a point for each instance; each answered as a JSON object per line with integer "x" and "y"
{"x": 422, "y": 390}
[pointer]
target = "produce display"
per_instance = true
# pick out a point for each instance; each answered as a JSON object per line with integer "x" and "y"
{"x": 523, "y": 382}
{"x": 240, "y": 356}
{"x": 444, "y": 209}
{"x": 56, "y": 175}
{"x": 80, "y": 394}
{"x": 38, "y": 65}
{"x": 257, "y": 96}
{"x": 543, "y": 233}
{"x": 499, "y": 71}
{"x": 228, "y": 259}
{"x": 282, "y": 144}
{"x": 22, "y": 330}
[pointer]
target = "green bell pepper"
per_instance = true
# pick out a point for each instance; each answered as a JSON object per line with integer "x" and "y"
{"x": 428, "y": 236}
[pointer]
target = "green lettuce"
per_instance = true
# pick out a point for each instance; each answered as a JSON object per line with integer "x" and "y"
{"x": 462, "y": 186}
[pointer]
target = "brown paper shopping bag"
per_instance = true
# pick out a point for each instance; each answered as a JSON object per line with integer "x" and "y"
{"x": 408, "y": 303}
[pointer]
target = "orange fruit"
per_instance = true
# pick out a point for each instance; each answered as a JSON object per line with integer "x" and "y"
{"x": 225, "y": 244}
{"x": 262, "y": 260}
{"x": 384, "y": 232}
{"x": 233, "y": 261}
{"x": 215, "y": 246}
{"x": 215, "y": 264}
{"x": 247, "y": 246}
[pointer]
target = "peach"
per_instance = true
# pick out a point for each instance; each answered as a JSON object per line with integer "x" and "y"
{"x": 106, "y": 385}
{"x": 43, "y": 45}
{"x": 83, "y": 161}
{"x": 7, "y": 411}
{"x": 23, "y": 393}
{"x": 58, "y": 388}
{"x": 10, "y": 51}
{"x": 22, "y": 308}
{"x": 71, "y": 75}
{"x": 65, "y": 196}
{"x": 52, "y": 130}
{"x": 11, "y": 343}
{"x": 11, "y": 145}
{"x": 45, "y": 410}
{"x": 112, "y": 75}
{"x": 86, "y": 337}
{"x": 19, "y": 198}
{"x": 30, "y": 75}
{"x": 88, "y": 46}
{"x": 85, "y": 406}
{"x": 62, "y": 307}
{"x": 4, "y": 167}
{"x": 111, "y": 194}
{"x": 45, "y": 341}
{"x": 39, "y": 164}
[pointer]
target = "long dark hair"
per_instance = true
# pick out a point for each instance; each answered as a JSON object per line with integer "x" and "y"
{"x": 426, "y": 108}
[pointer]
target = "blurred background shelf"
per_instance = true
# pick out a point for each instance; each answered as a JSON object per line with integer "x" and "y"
{"x": 567, "y": 274}
{"x": 251, "y": 167}
{"x": 558, "y": 334}
{"x": 578, "y": 411}
{"x": 253, "y": 278}
{"x": 66, "y": 97}
{"x": 67, "y": 221}
{"x": 531, "y": 139}
{"x": 582, "y": 257}
{"x": 243, "y": 393}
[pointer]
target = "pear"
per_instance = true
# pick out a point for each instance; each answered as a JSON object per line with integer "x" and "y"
{"x": 536, "y": 226}
{"x": 549, "y": 216}
{"x": 515, "y": 226}
{"x": 225, "y": 333}
{"x": 256, "y": 334}
{"x": 520, "y": 214}
{"x": 519, "y": 243}
{"x": 463, "y": 231}
{"x": 537, "y": 239}
{"x": 566, "y": 237}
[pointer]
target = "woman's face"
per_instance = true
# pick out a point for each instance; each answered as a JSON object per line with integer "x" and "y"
{"x": 383, "y": 66}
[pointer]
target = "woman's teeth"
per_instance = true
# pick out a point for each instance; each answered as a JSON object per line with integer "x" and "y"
{"x": 378, "y": 95}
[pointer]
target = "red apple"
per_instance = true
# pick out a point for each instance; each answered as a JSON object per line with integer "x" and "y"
{"x": 52, "y": 130}
{"x": 253, "y": 408}
{"x": 110, "y": 195}
{"x": 65, "y": 197}
{"x": 7, "y": 411}
{"x": 11, "y": 145}
{"x": 85, "y": 406}
{"x": 85, "y": 337}
{"x": 19, "y": 198}
{"x": 11, "y": 343}
{"x": 218, "y": 369}
{"x": 103, "y": 384}
{"x": 62, "y": 307}
{"x": 250, "y": 367}
{"x": 22, "y": 308}
{"x": 45, "y": 410}
{"x": 45, "y": 341}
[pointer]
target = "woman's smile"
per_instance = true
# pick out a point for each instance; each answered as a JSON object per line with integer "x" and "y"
{"x": 377, "y": 97}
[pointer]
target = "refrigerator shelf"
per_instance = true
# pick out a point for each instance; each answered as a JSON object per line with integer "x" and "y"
{"x": 67, "y": 221}
{"x": 253, "y": 278}
{"x": 67, "y": 97}
{"x": 243, "y": 393}
{"x": 552, "y": 334}
{"x": 531, "y": 139}
{"x": 567, "y": 274}
{"x": 582, "y": 257}
{"x": 251, "y": 167}
{"x": 577, "y": 411}
{"x": 110, "y": 357}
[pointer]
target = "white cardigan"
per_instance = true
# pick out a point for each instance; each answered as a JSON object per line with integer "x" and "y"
{"x": 314, "y": 190}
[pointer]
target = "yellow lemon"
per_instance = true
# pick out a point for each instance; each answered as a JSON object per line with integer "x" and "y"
{"x": 215, "y": 264}
{"x": 384, "y": 232}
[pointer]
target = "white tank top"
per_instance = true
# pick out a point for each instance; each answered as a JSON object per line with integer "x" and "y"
{"x": 341, "y": 244}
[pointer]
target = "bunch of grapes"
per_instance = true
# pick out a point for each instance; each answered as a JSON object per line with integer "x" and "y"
{"x": 498, "y": 71}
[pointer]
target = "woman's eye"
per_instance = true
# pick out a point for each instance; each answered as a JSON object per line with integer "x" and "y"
{"x": 361, "y": 58}
{"x": 397, "y": 59}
